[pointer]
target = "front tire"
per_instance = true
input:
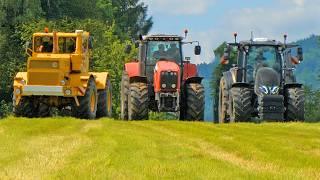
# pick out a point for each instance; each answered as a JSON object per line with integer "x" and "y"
{"x": 194, "y": 102}
{"x": 25, "y": 108}
{"x": 294, "y": 104}
{"x": 138, "y": 102}
{"x": 88, "y": 103}
{"x": 241, "y": 106}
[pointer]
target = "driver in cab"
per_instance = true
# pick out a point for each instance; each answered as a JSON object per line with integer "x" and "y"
{"x": 161, "y": 53}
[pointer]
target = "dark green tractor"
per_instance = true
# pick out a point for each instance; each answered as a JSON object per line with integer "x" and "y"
{"x": 262, "y": 85}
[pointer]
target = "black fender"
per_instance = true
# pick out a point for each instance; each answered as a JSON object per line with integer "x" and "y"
{"x": 292, "y": 85}
{"x": 241, "y": 84}
{"x": 138, "y": 79}
{"x": 194, "y": 80}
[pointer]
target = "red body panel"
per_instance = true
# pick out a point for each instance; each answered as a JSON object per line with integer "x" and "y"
{"x": 133, "y": 69}
{"x": 189, "y": 70}
{"x": 165, "y": 66}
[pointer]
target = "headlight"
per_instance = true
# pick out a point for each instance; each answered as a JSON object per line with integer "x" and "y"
{"x": 274, "y": 90}
{"x": 269, "y": 90}
{"x": 63, "y": 83}
{"x": 23, "y": 82}
{"x": 54, "y": 64}
{"x": 173, "y": 86}
{"x": 67, "y": 92}
{"x": 264, "y": 89}
{"x": 163, "y": 85}
{"x": 18, "y": 91}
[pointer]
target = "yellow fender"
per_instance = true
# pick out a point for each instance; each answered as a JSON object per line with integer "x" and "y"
{"x": 101, "y": 79}
{"x": 18, "y": 79}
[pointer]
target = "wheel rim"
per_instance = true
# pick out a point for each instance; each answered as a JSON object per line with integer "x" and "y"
{"x": 93, "y": 102}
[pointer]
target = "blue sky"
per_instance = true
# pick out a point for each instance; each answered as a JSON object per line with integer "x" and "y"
{"x": 214, "y": 21}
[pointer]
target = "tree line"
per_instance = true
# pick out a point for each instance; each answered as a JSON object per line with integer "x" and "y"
{"x": 112, "y": 23}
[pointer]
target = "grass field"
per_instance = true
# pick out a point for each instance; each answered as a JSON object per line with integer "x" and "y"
{"x": 107, "y": 149}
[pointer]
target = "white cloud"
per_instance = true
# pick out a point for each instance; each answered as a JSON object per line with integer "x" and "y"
{"x": 178, "y": 7}
{"x": 298, "y": 18}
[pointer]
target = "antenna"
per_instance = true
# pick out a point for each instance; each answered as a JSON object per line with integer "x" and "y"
{"x": 252, "y": 37}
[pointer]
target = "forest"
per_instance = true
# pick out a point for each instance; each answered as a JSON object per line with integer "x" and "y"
{"x": 112, "y": 23}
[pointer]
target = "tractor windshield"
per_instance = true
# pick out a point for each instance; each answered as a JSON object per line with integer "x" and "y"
{"x": 67, "y": 44}
{"x": 262, "y": 56}
{"x": 169, "y": 50}
{"x": 43, "y": 44}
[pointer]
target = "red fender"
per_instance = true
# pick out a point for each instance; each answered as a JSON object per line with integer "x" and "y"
{"x": 190, "y": 70}
{"x": 132, "y": 68}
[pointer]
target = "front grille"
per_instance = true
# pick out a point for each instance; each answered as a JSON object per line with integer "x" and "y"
{"x": 169, "y": 78}
{"x": 43, "y": 64}
{"x": 43, "y": 78}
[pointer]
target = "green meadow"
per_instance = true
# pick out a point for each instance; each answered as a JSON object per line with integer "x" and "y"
{"x": 67, "y": 148}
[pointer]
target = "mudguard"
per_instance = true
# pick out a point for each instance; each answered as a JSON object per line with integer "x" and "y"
{"x": 194, "y": 80}
{"x": 138, "y": 79}
{"x": 101, "y": 79}
{"x": 240, "y": 84}
{"x": 229, "y": 80}
{"x": 293, "y": 85}
{"x": 132, "y": 68}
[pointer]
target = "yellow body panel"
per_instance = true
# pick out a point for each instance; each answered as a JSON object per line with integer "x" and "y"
{"x": 57, "y": 73}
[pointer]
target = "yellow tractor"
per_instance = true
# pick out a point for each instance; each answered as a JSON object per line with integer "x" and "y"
{"x": 58, "y": 76}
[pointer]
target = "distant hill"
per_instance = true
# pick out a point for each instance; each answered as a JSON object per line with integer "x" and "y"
{"x": 307, "y": 72}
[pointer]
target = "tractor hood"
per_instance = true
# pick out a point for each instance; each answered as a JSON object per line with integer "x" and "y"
{"x": 166, "y": 76}
{"x": 267, "y": 81}
{"x": 165, "y": 65}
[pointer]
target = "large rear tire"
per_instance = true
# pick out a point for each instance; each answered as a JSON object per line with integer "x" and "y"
{"x": 194, "y": 102}
{"x": 223, "y": 102}
{"x": 138, "y": 102}
{"x": 105, "y": 101}
{"x": 88, "y": 103}
{"x": 124, "y": 95}
{"x": 241, "y": 107}
{"x": 294, "y": 101}
{"x": 25, "y": 108}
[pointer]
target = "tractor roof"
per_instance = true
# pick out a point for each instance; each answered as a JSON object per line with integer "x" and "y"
{"x": 62, "y": 34}
{"x": 262, "y": 42}
{"x": 163, "y": 37}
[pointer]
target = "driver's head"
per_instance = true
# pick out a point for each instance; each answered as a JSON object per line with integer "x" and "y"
{"x": 260, "y": 56}
{"x": 173, "y": 46}
{"x": 161, "y": 47}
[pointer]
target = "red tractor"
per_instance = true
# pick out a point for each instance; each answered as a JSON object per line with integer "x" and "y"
{"x": 161, "y": 81}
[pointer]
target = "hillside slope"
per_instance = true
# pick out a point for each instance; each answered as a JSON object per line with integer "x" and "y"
{"x": 107, "y": 149}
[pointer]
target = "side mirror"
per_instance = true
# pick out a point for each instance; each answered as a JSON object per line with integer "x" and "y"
{"x": 197, "y": 50}
{"x": 226, "y": 56}
{"x": 300, "y": 54}
{"x": 90, "y": 45}
{"x": 128, "y": 49}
